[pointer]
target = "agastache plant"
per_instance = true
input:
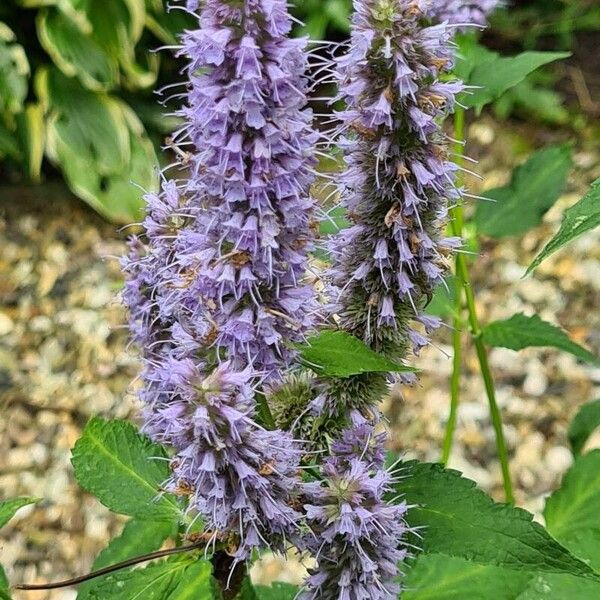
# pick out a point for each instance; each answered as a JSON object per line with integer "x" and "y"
{"x": 398, "y": 184}
{"x": 216, "y": 295}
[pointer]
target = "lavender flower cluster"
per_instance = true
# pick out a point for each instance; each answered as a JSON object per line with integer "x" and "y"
{"x": 216, "y": 296}
{"x": 356, "y": 535}
{"x": 462, "y": 12}
{"x": 400, "y": 179}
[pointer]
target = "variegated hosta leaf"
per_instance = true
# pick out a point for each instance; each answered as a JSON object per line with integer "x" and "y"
{"x": 75, "y": 52}
{"x": 14, "y": 74}
{"x": 100, "y": 145}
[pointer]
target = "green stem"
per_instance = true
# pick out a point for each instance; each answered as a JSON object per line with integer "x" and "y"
{"x": 462, "y": 272}
{"x": 457, "y": 229}
{"x": 456, "y": 376}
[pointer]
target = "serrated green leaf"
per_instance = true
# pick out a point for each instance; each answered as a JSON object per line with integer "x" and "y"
{"x": 75, "y": 52}
{"x": 137, "y": 538}
{"x": 575, "y": 506}
{"x": 339, "y": 354}
{"x": 470, "y": 54}
{"x": 579, "y": 219}
{"x": 174, "y": 579}
{"x": 73, "y": 9}
{"x": 521, "y": 331}
{"x": 124, "y": 470}
{"x": 195, "y": 584}
{"x": 438, "y": 577}
{"x": 583, "y": 425}
{"x": 535, "y": 187}
{"x": 560, "y": 587}
{"x": 496, "y": 74}
{"x": 8, "y": 508}
{"x": 461, "y": 521}
{"x": 166, "y": 25}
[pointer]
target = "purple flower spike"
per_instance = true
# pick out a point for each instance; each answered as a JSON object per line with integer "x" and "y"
{"x": 216, "y": 293}
{"x": 357, "y": 538}
{"x": 462, "y": 12}
{"x": 241, "y": 478}
{"x": 400, "y": 180}
{"x": 229, "y": 244}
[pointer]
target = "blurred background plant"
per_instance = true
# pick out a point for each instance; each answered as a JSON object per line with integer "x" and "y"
{"x": 76, "y": 81}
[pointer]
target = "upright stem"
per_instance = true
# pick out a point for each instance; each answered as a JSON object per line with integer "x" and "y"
{"x": 457, "y": 322}
{"x": 456, "y": 376}
{"x": 462, "y": 273}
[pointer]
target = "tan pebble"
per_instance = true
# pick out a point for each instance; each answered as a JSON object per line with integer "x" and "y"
{"x": 558, "y": 459}
{"x": 6, "y": 324}
{"x": 48, "y": 276}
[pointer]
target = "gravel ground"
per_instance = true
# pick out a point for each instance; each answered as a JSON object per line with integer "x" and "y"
{"x": 63, "y": 357}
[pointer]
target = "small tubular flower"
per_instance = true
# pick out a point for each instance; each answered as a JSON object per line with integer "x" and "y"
{"x": 357, "y": 538}
{"x": 216, "y": 293}
{"x": 462, "y": 12}
{"x": 399, "y": 180}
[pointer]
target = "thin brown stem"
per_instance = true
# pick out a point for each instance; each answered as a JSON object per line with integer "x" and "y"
{"x": 112, "y": 568}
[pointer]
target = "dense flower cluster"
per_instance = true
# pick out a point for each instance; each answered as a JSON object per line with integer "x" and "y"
{"x": 216, "y": 295}
{"x": 241, "y": 477}
{"x": 357, "y": 537}
{"x": 462, "y": 12}
{"x": 400, "y": 180}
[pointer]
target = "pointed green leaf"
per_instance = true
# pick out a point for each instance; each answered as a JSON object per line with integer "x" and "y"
{"x": 438, "y": 577}
{"x": 495, "y": 75}
{"x": 535, "y": 187}
{"x": 521, "y": 331}
{"x": 575, "y": 506}
{"x": 124, "y": 470}
{"x": 8, "y": 508}
{"x": 137, "y": 538}
{"x": 586, "y": 421}
{"x": 560, "y": 587}
{"x": 339, "y": 354}
{"x": 75, "y": 52}
{"x": 461, "y": 521}
{"x": 175, "y": 579}
{"x": 195, "y": 584}
{"x": 579, "y": 219}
